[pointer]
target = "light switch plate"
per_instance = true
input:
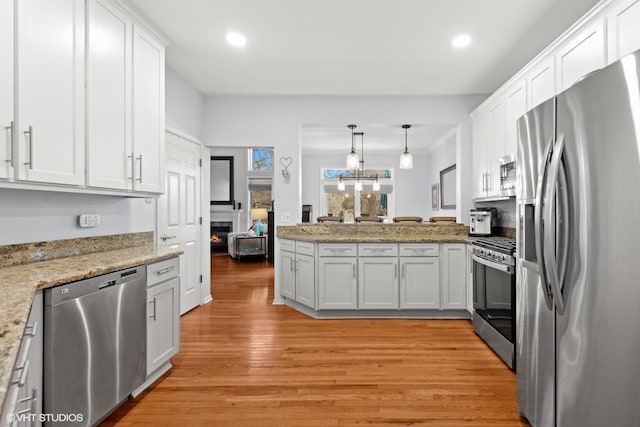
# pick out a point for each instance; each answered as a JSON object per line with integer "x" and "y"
{"x": 89, "y": 220}
{"x": 285, "y": 217}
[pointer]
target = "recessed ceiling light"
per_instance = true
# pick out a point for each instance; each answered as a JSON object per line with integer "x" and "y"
{"x": 463, "y": 40}
{"x": 236, "y": 39}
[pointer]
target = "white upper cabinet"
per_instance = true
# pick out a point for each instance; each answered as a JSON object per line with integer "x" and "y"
{"x": 50, "y": 64}
{"x": 148, "y": 112}
{"x": 85, "y": 108}
{"x": 6, "y": 88}
{"x": 489, "y": 135}
{"x": 109, "y": 45}
{"x": 584, "y": 53}
{"x": 516, "y": 106}
{"x": 481, "y": 127}
{"x": 496, "y": 146}
{"x": 623, "y": 29}
{"x": 541, "y": 82}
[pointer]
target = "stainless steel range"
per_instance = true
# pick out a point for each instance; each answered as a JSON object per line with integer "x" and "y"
{"x": 494, "y": 288}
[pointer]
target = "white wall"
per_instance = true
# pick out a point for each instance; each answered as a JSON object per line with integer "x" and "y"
{"x": 441, "y": 158}
{"x": 184, "y": 105}
{"x": 410, "y": 196}
{"x": 274, "y": 121}
{"x": 34, "y": 216}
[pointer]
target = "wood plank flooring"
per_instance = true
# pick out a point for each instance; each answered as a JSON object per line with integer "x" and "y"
{"x": 246, "y": 362}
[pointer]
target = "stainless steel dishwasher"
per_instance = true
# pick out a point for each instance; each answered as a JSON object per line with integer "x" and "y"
{"x": 95, "y": 345}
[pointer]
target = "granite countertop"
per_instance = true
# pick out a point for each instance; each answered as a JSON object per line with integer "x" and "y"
{"x": 443, "y": 238}
{"x": 18, "y": 285}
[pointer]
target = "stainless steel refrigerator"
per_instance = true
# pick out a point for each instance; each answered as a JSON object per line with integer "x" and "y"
{"x": 578, "y": 283}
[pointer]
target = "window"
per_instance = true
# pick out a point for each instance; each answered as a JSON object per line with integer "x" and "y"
{"x": 350, "y": 203}
{"x": 260, "y": 159}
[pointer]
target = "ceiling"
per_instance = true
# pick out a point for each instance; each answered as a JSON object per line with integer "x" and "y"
{"x": 357, "y": 47}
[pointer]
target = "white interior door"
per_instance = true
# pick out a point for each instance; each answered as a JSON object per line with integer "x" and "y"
{"x": 179, "y": 214}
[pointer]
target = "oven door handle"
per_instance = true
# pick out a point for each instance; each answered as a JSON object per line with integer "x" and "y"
{"x": 495, "y": 265}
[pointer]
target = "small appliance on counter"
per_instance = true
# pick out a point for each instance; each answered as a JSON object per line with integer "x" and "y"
{"x": 483, "y": 221}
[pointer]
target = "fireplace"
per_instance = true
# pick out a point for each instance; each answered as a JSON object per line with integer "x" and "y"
{"x": 219, "y": 234}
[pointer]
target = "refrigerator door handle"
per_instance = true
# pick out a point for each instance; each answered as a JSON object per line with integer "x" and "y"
{"x": 538, "y": 231}
{"x": 550, "y": 260}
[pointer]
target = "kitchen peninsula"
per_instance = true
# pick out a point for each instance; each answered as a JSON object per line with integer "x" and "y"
{"x": 375, "y": 270}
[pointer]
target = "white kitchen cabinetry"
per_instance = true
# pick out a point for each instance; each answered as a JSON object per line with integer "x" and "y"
{"x": 85, "y": 108}
{"x": 623, "y": 29}
{"x": 125, "y": 102}
{"x": 163, "y": 313}
{"x": 585, "y": 52}
{"x": 297, "y": 271}
{"x": 377, "y": 276}
{"x": 419, "y": 275}
{"x": 337, "y": 276}
{"x": 516, "y": 106}
{"x": 454, "y": 276}
{"x": 148, "y": 112}
{"x": 541, "y": 82}
{"x": 50, "y": 94}
{"x": 481, "y": 131}
{"x": 305, "y": 269}
{"x": 6, "y": 89}
{"x": 286, "y": 262}
{"x": 24, "y": 395}
{"x": 109, "y": 145}
{"x": 488, "y": 146}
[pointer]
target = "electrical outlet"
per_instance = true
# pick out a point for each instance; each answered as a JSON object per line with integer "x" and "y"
{"x": 285, "y": 217}
{"x": 89, "y": 220}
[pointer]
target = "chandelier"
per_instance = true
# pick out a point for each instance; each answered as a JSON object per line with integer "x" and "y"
{"x": 356, "y": 163}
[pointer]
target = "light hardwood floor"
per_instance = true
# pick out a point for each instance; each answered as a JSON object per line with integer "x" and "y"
{"x": 246, "y": 362}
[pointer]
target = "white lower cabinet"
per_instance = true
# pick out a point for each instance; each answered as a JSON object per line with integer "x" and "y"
{"x": 420, "y": 282}
{"x": 376, "y": 276}
{"x": 298, "y": 272}
{"x": 163, "y": 313}
{"x": 378, "y": 282}
{"x": 419, "y": 275}
{"x": 337, "y": 283}
{"x": 454, "y": 276}
{"x": 287, "y": 274}
{"x": 305, "y": 282}
{"x": 24, "y": 395}
{"x": 163, "y": 323}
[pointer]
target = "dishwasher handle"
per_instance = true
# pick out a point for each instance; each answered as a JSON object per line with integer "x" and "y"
{"x": 107, "y": 284}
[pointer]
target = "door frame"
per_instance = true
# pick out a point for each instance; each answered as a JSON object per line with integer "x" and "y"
{"x": 205, "y": 214}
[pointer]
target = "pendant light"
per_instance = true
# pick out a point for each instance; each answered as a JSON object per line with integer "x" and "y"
{"x": 341, "y": 186}
{"x": 406, "y": 159}
{"x": 376, "y": 184}
{"x": 353, "y": 161}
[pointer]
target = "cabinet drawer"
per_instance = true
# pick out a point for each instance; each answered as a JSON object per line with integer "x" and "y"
{"x": 287, "y": 245}
{"x": 377, "y": 249}
{"x": 419, "y": 249}
{"x": 163, "y": 270}
{"x": 338, "y": 249}
{"x": 306, "y": 248}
